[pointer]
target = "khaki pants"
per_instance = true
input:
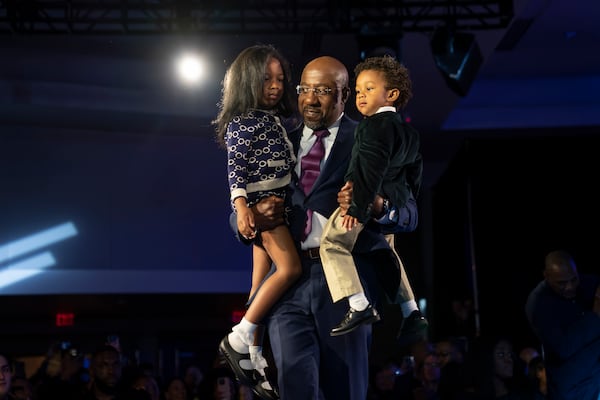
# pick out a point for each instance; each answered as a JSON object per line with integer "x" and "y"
{"x": 338, "y": 264}
{"x": 336, "y": 256}
{"x": 405, "y": 292}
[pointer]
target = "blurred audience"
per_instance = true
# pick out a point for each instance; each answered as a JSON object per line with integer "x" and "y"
{"x": 220, "y": 384}
{"x": 21, "y": 389}
{"x": 59, "y": 376}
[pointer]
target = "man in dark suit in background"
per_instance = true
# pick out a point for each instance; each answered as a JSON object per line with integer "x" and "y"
{"x": 564, "y": 313}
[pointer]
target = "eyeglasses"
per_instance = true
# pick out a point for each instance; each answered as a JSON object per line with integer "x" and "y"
{"x": 503, "y": 355}
{"x": 319, "y": 91}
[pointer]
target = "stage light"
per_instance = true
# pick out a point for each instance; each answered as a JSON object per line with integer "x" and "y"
{"x": 190, "y": 68}
{"x": 457, "y": 56}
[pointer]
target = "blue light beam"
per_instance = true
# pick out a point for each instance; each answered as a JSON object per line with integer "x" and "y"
{"x": 25, "y": 269}
{"x": 35, "y": 241}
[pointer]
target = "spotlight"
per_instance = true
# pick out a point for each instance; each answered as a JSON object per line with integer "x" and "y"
{"x": 457, "y": 56}
{"x": 189, "y": 68}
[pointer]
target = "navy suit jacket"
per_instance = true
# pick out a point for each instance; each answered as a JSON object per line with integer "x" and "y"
{"x": 323, "y": 196}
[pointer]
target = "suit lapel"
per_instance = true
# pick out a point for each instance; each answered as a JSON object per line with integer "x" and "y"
{"x": 340, "y": 152}
{"x": 338, "y": 157}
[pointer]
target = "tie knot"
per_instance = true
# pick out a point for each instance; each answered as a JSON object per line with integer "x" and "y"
{"x": 321, "y": 133}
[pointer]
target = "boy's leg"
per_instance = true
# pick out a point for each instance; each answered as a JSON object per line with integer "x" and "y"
{"x": 342, "y": 276}
{"x": 414, "y": 326}
{"x": 336, "y": 255}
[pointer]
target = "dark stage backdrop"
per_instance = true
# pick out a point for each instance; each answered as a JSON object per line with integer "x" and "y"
{"x": 84, "y": 212}
{"x": 499, "y": 209}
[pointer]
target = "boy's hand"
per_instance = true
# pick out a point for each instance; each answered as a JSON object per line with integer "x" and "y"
{"x": 349, "y": 221}
{"x": 344, "y": 197}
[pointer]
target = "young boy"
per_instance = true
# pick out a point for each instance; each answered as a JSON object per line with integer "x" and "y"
{"x": 386, "y": 161}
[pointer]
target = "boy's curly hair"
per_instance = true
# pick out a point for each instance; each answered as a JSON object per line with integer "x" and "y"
{"x": 395, "y": 74}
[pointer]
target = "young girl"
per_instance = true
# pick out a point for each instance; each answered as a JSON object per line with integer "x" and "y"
{"x": 256, "y": 93}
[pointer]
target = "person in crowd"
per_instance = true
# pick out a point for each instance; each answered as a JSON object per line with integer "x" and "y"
{"x": 175, "y": 389}
{"x": 451, "y": 356}
{"x": 220, "y": 383}
{"x": 59, "y": 376}
{"x": 193, "y": 378}
{"x": 256, "y": 96}
{"x": 6, "y": 376}
{"x": 300, "y": 323}
{"x": 146, "y": 383}
{"x": 106, "y": 377}
{"x": 386, "y": 161}
{"x": 489, "y": 370}
{"x": 563, "y": 311}
{"x": 528, "y": 353}
{"x": 538, "y": 383}
{"x": 450, "y": 349}
{"x": 427, "y": 374}
{"x": 21, "y": 388}
{"x": 382, "y": 385}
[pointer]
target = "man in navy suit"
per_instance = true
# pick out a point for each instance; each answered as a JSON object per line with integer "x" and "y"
{"x": 312, "y": 364}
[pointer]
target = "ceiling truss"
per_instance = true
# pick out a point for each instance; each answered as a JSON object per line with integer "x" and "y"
{"x": 250, "y": 16}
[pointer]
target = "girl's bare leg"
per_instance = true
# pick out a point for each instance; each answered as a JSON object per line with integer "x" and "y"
{"x": 261, "y": 264}
{"x": 281, "y": 249}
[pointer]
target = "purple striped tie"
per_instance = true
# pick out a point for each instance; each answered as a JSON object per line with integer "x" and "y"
{"x": 310, "y": 167}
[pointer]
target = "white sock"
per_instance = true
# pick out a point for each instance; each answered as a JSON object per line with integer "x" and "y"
{"x": 358, "y": 301}
{"x": 408, "y": 307}
{"x": 242, "y": 336}
{"x": 258, "y": 361}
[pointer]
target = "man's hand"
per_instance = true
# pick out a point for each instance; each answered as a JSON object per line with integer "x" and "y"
{"x": 377, "y": 210}
{"x": 268, "y": 213}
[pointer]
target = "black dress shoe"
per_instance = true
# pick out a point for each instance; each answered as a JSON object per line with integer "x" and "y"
{"x": 354, "y": 319}
{"x": 264, "y": 390}
{"x": 239, "y": 363}
{"x": 413, "y": 329}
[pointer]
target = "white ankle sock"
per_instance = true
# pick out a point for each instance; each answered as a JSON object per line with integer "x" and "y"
{"x": 358, "y": 301}
{"x": 408, "y": 307}
{"x": 242, "y": 336}
{"x": 258, "y": 361}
